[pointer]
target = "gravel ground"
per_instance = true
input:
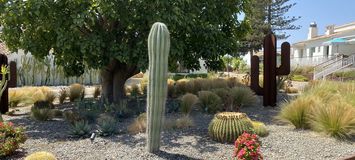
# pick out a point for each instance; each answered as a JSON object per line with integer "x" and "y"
{"x": 283, "y": 142}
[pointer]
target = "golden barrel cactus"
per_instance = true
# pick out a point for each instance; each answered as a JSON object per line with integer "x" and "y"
{"x": 227, "y": 126}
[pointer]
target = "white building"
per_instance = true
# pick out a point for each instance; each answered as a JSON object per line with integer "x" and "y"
{"x": 337, "y": 40}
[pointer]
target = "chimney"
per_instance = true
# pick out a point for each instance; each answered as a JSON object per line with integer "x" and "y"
{"x": 329, "y": 30}
{"x": 313, "y": 30}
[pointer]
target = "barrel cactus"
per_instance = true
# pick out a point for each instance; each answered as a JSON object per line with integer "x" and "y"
{"x": 42, "y": 155}
{"x": 158, "y": 50}
{"x": 227, "y": 126}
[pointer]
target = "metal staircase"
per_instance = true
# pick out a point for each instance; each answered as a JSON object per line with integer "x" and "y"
{"x": 335, "y": 64}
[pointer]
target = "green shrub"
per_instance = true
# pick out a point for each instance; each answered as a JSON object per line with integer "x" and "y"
{"x": 63, "y": 94}
{"x": 187, "y": 102}
{"x": 297, "y": 111}
{"x": 345, "y": 74}
{"x": 10, "y": 137}
{"x": 42, "y": 155}
{"x": 76, "y": 92}
{"x": 242, "y": 96}
{"x": 228, "y": 126}
{"x": 107, "y": 125}
{"x": 209, "y": 101}
{"x": 299, "y": 78}
{"x": 80, "y": 128}
{"x": 260, "y": 128}
{"x": 336, "y": 119}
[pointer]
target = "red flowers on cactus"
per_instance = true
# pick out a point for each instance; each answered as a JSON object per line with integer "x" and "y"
{"x": 247, "y": 147}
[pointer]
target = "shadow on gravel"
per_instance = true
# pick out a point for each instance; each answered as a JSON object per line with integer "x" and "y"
{"x": 173, "y": 156}
{"x": 55, "y": 130}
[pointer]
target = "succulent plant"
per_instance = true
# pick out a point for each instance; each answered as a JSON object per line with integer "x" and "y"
{"x": 158, "y": 51}
{"x": 80, "y": 128}
{"x": 107, "y": 125}
{"x": 260, "y": 129}
{"x": 227, "y": 126}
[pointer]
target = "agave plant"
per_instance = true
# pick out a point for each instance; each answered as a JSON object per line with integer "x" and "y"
{"x": 80, "y": 128}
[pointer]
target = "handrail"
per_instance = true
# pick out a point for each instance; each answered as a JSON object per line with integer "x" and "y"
{"x": 333, "y": 66}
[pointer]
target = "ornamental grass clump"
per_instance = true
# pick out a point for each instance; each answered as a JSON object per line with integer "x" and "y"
{"x": 247, "y": 147}
{"x": 184, "y": 122}
{"x": 63, "y": 94}
{"x": 171, "y": 88}
{"x": 227, "y": 126}
{"x": 17, "y": 97}
{"x": 209, "y": 102}
{"x": 187, "y": 102}
{"x": 242, "y": 96}
{"x": 336, "y": 119}
{"x": 10, "y": 138}
{"x": 139, "y": 125}
{"x": 181, "y": 86}
{"x": 297, "y": 111}
{"x": 76, "y": 92}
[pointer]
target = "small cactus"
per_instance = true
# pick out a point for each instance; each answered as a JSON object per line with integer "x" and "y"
{"x": 227, "y": 126}
{"x": 158, "y": 50}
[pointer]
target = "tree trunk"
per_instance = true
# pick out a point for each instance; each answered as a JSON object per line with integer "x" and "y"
{"x": 114, "y": 77}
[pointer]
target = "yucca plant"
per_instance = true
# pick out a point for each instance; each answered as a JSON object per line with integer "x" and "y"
{"x": 336, "y": 119}
{"x": 107, "y": 125}
{"x": 228, "y": 126}
{"x": 80, "y": 128}
{"x": 187, "y": 102}
{"x": 209, "y": 101}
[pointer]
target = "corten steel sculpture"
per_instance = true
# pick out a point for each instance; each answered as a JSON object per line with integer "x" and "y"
{"x": 13, "y": 76}
{"x": 4, "y": 102}
{"x": 269, "y": 90}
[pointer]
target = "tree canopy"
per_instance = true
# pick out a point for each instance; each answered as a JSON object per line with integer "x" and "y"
{"x": 90, "y": 33}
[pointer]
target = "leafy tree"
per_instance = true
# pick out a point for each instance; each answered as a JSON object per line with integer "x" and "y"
{"x": 111, "y": 35}
{"x": 267, "y": 16}
{"x": 275, "y": 17}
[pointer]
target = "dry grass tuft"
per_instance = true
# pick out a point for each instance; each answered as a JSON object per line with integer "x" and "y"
{"x": 76, "y": 92}
{"x": 187, "y": 102}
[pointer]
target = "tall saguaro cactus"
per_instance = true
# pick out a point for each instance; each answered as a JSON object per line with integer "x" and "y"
{"x": 158, "y": 50}
{"x": 269, "y": 90}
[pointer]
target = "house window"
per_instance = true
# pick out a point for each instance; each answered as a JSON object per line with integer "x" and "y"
{"x": 313, "y": 49}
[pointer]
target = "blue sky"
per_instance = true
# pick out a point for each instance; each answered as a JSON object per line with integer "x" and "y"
{"x": 323, "y": 12}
